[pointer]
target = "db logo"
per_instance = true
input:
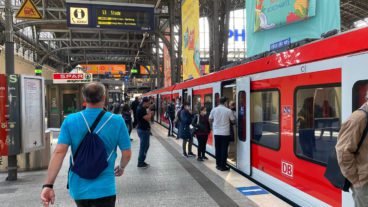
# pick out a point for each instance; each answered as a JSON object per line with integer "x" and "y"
{"x": 287, "y": 169}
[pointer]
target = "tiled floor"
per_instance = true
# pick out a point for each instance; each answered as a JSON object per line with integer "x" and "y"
{"x": 172, "y": 180}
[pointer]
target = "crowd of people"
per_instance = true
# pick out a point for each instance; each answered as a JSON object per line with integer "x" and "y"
{"x": 94, "y": 135}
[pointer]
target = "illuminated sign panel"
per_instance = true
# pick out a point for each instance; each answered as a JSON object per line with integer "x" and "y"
{"x": 132, "y": 17}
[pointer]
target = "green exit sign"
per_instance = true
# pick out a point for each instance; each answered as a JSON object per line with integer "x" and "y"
{"x": 38, "y": 71}
{"x": 133, "y": 71}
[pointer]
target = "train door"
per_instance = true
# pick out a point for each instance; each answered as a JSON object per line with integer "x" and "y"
{"x": 158, "y": 108}
{"x": 243, "y": 125}
{"x": 228, "y": 90}
{"x": 354, "y": 90}
{"x": 157, "y": 102}
{"x": 189, "y": 97}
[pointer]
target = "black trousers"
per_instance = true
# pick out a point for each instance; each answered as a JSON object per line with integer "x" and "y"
{"x": 221, "y": 145}
{"x": 190, "y": 145}
{"x": 202, "y": 142}
{"x": 171, "y": 127}
{"x": 100, "y": 202}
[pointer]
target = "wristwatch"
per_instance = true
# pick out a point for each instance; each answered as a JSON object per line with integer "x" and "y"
{"x": 48, "y": 186}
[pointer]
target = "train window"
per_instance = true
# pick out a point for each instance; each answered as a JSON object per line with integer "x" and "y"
{"x": 242, "y": 116}
{"x": 208, "y": 102}
{"x": 217, "y": 99}
{"x": 360, "y": 89}
{"x": 265, "y": 118}
{"x": 196, "y": 104}
{"x": 318, "y": 119}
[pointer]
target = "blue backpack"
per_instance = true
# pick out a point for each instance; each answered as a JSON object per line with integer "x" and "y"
{"x": 91, "y": 158}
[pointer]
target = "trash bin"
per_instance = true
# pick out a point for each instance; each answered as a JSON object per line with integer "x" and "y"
{"x": 37, "y": 160}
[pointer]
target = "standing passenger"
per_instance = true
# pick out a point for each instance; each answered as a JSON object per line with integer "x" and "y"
{"x": 127, "y": 116}
{"x": 91, "y": 178}
{"x": 171, "y": 116}
{"x": 202, "y": 132}
{"x": 134, "y": 107}
{"x": 353, "y": 164}
{"x": 185, "y": 119}
{"x": 221, "y": 118}
{"x": 144, "y": 130}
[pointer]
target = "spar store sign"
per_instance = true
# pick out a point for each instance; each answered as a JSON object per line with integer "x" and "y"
{"x": 65, "y": 78}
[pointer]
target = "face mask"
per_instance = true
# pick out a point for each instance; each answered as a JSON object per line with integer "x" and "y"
{"x": 204, "y": 112}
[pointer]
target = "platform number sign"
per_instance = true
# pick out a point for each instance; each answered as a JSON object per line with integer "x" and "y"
{"x": 287, "y": 169}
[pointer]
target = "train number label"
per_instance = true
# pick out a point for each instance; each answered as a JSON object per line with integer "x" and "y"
{"x": 287, "y": 169}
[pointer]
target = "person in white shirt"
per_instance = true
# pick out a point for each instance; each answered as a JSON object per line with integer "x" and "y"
{"x": 220, "y": 118}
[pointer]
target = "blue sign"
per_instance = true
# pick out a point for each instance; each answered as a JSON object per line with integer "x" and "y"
{"x": 136, "y": 17}
{"x": 252, "y": 190}
{"x": 236, "y": 34}
{"x": 280, "y": 44}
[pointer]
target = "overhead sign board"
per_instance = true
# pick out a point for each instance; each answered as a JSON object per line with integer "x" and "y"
{"x": 124, "y": 16}
{"x": 28, "y": 11}
{"x": 79, "y": 15}
{"x": 68, "y": 78}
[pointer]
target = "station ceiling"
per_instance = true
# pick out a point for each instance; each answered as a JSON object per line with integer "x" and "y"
{"x": 71, "y": 46}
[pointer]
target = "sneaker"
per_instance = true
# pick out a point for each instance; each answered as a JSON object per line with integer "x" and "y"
{"x": 200, "y": 159}
{"x": 143, "y": 165}
{"x": 190, "y": 154}
{"x": 205, "y": 158}
{"x": 225, "y": 169}
{"x": 185, "y": 154}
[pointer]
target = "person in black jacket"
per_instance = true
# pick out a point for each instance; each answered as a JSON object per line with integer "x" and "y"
{"x": 170, "y": 113}
{"x": 203, "y": 129}
{"x": 134, "y": 107}
{"x": 127, "y": 116}
{"x": 185, "y": 119}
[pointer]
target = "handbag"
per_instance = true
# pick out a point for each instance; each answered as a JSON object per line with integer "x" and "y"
{"x": 193, "y": 129}
{"x": 333, "y": 171}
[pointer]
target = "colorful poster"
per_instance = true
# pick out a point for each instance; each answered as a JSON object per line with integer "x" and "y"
{"x": 276, "y": 13}
{"x": 277, "y": 23}
{"x": 167, "y": 65}
{"x": 143, "y": 70}
{"x": 113, "y": 69}
{"x": 190, "y": 37}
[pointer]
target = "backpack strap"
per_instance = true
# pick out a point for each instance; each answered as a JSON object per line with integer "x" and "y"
{"x": 94, "y": 125}
{"x": 104, "y": 123}
{"x": 364, "y": 135}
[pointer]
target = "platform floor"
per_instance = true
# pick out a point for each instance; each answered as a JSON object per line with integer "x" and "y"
{"x": 171, "y": 180}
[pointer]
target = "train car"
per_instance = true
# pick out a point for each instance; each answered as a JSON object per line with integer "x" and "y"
{"x": 290, "y": 106}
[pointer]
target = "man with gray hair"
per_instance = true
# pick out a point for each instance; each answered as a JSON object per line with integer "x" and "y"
{"x": 77, "y": 132}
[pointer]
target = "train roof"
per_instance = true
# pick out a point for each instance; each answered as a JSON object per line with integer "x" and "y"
{"x": 343, "y": 44}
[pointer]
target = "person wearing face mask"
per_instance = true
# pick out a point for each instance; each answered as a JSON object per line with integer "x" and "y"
{"x": 201, "y": 123}
{"x": 185, "y": 119}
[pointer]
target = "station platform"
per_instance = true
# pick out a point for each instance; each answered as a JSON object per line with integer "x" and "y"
{"x": 171, "y": 180}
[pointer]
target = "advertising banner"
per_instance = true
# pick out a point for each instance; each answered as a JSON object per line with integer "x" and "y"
{"x": 113, "y": 69}
{"x": 273, "y": 24}
{"x": 167, "y": 65}
{"x": 190, "y": 37}
{"x": 270, "y": 14}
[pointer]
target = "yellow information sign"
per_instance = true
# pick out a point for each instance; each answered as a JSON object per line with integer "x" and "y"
{"x": 28, "y": 11}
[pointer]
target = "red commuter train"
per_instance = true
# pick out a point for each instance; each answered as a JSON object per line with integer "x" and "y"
{"x": 290, "y": 106}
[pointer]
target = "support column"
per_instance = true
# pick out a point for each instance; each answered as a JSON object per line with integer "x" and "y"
{"x": 157, "y": 62}
{"x": 9, "y": 69}
{"x": 216, "y": 57}
{"x": 225, "y": 23}
{"x": 173, "y": 60}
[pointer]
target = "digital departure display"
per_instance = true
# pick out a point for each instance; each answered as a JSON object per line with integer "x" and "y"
{"x": 123, "y": 18}
{"x": 132, "y": 17}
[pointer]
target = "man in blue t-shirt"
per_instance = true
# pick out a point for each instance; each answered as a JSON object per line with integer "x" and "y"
{"x": 99, "y": 192}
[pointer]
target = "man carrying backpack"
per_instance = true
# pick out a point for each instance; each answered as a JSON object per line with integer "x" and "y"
{"x": 353, "y": 160}
{"x": 93, "y": 136}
